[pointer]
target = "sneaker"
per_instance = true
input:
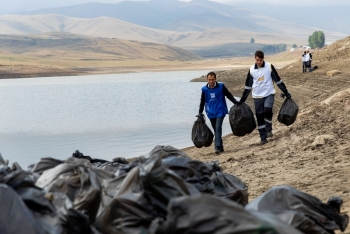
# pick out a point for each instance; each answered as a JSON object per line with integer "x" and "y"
{"x": 217, "y": 151}
{"x": 222, "y": 150}
{"x": 269, "y": 134}
{"x": 263, "y": 142}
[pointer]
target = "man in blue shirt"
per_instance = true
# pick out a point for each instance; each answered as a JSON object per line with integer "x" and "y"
{"x": 213, "y": 99}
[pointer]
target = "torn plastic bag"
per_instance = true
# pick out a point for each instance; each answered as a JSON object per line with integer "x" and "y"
{"x": 230, "y": 186}
{"x": 129, "y": 210}
{"x": 194, "y": 172}
{"x": 112, "y": 186}
{"x": 72, "y": 221}
{"x": 4, "y": 170}
{"x": 16, "y": 179}
{"x": 15, "y": 217}
{"x": 213, "y": 215}
{"x": 162, "y": 184}
{"x": 2, "y": 161}
{"x": 201, "y": 133}
{"x": 116, "y": 165}
{"x": 42, "y": 209}
{"x": 127, "y": 167}
{"x": 242, "y": 120}
{"x": 288, "y": 112}
{"x": 300, "y": 210}
{"x": 142, "y": 196}
{"x": 45, "y": 164}
{"x": 79, "y": 180}
{"x": 112, "y": 166}
{"x": 167, "y": 151}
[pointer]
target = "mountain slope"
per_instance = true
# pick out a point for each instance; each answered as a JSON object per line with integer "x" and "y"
{"x": 79, "y": 48}
{"x": 202, "y": 15}
{"x": 114, "y": 28}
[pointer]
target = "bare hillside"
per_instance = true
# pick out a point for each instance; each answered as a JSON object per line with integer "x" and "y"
{"x": 68, "y": 54}
{"x": 113, "y": 28}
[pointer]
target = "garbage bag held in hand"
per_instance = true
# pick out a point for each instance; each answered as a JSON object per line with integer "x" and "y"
{"x": 201, "y": 133}
{"x": 242, "y": 120}
{"x": 288, "y": 112}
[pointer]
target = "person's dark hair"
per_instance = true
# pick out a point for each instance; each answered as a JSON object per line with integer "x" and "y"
{"x": 211, "y": 74}
{"x": 259, "y": 54}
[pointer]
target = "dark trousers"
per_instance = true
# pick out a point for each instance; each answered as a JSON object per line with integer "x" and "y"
{"x": 309, "y": 66}
{"x": 263, "y": 112}
{"x": 216, "y": 123}
{"x": 304, "y": 66}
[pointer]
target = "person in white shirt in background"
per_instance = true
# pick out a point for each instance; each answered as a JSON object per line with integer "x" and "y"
{"x": 303, "y": 59}
{"x": 309, "y": 56}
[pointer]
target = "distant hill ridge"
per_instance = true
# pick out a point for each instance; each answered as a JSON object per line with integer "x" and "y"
{"x": 200, "y": 26}
{"x": 200, "y": 15}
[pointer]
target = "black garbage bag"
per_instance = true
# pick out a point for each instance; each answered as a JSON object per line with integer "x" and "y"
{"x": 288, "y": 112}
{"x": 201, "y": 133}
{"x": 79, "y": 180}
{"x": 301, "y": 210}
{"x": 72, "y": 221}
{"x": 129, "y": 210}
{"x": 16, "y": 179}
{"x": 194, "y": 172}
{"x": 242, "y": 120}
{"x": 165, "y": 151}
{"x": 229, "y": 186}
{"x": 15, "y": 217}
{"x": 45, "y": 164}
{"x": 140, "y": 197}
{"x": 2, "y": 161}
{"x": 78, "y": 154}
{"x": 33, "y": 197}
{"x": 213, "y": 215}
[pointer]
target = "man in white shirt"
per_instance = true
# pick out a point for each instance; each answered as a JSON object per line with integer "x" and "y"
{"x": 260, "y": 78}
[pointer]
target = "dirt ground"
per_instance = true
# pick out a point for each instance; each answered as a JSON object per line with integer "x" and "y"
{"x": 313, "y": 154}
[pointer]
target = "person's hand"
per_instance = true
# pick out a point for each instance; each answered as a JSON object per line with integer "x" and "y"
{"x": 242, "y": 100}
{"x": 287, "y": 95}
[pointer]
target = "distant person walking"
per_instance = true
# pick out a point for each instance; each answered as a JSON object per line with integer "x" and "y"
{"x": 213, "y": 100}
{"x": 309, "y": 56}
{"x": 303, "y": 59}
{"x": 260, "y": 78}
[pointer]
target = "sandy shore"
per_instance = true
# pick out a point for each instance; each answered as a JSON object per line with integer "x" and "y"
{"x": 26, "y": 71}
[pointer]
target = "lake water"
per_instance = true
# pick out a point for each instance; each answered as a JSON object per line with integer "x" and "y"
{"x": 103, "y": 116}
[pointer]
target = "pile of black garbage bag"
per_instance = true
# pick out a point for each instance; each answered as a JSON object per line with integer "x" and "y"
{"x": 163, "y": 192}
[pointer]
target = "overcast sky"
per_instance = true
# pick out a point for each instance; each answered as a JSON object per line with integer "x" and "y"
{"x": 12, "y": 6}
